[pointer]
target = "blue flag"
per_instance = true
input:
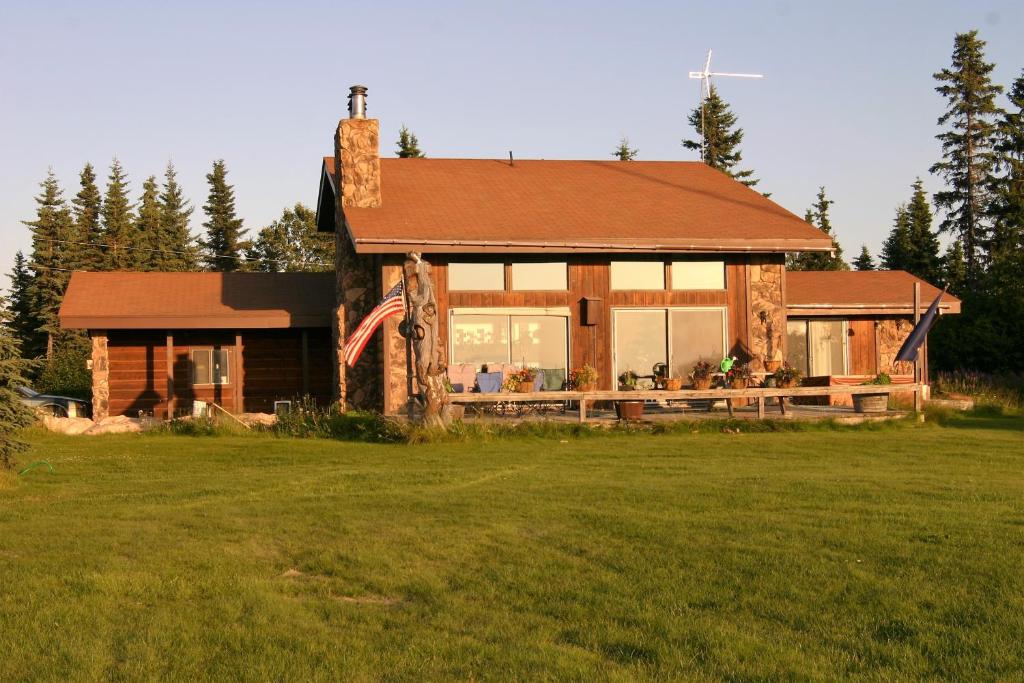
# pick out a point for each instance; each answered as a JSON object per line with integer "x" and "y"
{"x": 908, "y": 351}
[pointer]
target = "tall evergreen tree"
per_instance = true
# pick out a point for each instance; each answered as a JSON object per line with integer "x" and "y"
{"x": 51, "y": 230}
{"x": 954, "y": 268}
{"x": 177, "y": 246}
{"x": 291, "y": 243}
{"x": 88, "y": 229}
{"x": 222, "y": 248}
{"x": 864, "y": 261}
{"x": 120, "y": 234}
{"x": 23, "y": 319}
{"x": 1008, "y": 188}
{"x": 721, "y": 139}
{"x": 967, "y": 145}
{"x": 896, "y": 251}
{"x": 624, "y": 152}
{"x": 408, "y": 145}
{"x": 818, "y": 216}
{"x": 923, "y": 260}
{"x": 148, "y": 225}
{"x": 14, "y": 415}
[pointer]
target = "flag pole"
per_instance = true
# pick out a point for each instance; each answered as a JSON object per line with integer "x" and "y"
{"x": 408, "y": 349}
{"x": 919, "y": 391}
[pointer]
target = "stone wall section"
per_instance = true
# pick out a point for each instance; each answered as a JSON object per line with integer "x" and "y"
{"x": 766, "y": 337}
{"x": 890, "y": 335}
{"x": 357, "y": 158}
{"x": 100, "y": 376}
{"x": 395, "y": 361}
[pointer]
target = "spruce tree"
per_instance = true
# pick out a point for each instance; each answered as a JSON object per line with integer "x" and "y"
{"x": 1007, "y": 239}
{"x": 147, "y": 223}
{"x": 923, "y": 259}
{"x": 51, "y": 230}
{"x": 23, "y": 320}
{"x": 88, "y": 230}
{"x": 624, "y": 152}
{"x": 178, "y": 249}
{"x": 967, "y": 145}
{"x": 222, "y": 248}
{"x": 721, "y": 139}
{"x": 954, "y": 268}
{"x": 291, "y": 243}
{"x": 818, "y": 216}
{"x": 864, "y": 261}
{"x": 896, "y": 251}
{"x": 408, "y": 145}
{"x": 14, "y": 415}
{"x": 119, "y": 232}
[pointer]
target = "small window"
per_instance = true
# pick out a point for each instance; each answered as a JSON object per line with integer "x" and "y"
{"x": 698, "y": 275}
{"x": 476, "y": 277}
{"x": 535, "y": 276}
{"x": 638, "y": 275}
{"x": 209, "y": 366}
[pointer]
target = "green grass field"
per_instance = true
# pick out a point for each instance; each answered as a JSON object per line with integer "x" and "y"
{"x": 879, "y": 554}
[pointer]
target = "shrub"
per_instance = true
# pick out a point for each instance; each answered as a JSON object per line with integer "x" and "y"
{"x": 65, "y": 372}
{"x": 1006, "y": 389}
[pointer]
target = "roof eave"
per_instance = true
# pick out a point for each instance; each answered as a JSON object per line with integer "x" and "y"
{"x": 398, "y": 245}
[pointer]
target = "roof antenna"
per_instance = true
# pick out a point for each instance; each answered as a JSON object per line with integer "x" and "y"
{"x": 511, "y": 161}
{"x": 705, "y": 93}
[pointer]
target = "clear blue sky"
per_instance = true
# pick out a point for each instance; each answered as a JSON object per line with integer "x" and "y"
{"x": 848, "y": 101}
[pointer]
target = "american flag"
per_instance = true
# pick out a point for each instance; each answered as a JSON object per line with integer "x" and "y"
{"x": 392, "y": 304}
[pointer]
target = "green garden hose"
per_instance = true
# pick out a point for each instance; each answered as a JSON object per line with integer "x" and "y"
{"x": 36, "y": 464}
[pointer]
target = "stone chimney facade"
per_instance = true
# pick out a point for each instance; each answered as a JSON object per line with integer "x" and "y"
{"x": 357, "y": 160}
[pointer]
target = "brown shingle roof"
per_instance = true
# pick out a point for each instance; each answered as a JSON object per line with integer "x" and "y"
{"x": 476, "y": 205}
{"x": 123, "y": 300}
{"x": 851, "y": 292}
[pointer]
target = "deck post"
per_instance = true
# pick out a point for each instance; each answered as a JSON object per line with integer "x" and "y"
{"x": 171, "y": 402}
{"x": 760, "y": 407}
{"x": 583, "y": 409}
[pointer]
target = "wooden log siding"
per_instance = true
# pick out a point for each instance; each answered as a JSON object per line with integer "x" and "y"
{"x": 148, "y": 367}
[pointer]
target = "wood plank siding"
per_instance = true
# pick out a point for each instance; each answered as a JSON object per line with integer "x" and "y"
{"x": 589, "y": 276}
{"x": 144, "y": 369}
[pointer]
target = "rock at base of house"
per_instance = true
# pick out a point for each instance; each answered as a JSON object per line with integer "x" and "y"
{"x": 67, "y": 425}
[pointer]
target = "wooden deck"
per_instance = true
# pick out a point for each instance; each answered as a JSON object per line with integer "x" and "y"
{"x": 759, "y": 396}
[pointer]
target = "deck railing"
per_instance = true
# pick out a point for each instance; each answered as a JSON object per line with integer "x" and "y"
{"x": 759, "y": 394}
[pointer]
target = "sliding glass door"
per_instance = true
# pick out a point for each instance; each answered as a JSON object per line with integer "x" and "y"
{"x": 678, "y": 337}
{"x": 818, "y": 348}
{"x": 521, "y": 339}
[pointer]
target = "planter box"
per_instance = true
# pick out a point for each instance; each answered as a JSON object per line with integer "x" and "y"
{"x": 629, "y": 410}
{"x": 871, "y": 403}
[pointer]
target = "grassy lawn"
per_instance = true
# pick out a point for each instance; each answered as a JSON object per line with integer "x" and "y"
{"x": 880, "y": 554}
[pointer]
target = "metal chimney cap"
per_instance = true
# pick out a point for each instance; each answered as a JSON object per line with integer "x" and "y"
{"x": 357, "y": 102}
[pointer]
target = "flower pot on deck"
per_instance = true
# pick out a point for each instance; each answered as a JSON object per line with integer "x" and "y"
{"x": 870, "y": 403}
{"x": 672, "y": 383}
{"x": 772, "y": 365}
{"x": 701, "y": 383}
{"x": 629, "y": 410}
{"x": 524, "y": 387}
{"x": 738, "y": 383}
{"x": 589, "y": 386}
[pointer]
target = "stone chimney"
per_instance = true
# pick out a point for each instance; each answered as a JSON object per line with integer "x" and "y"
{"x": 357, "y": 154}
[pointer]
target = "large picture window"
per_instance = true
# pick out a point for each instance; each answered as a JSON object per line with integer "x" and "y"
{"x": 210, "y": 366}
{"x": 817, "y": 348}
{"x": 504, "y": 339}
{"x": 678, "y": 337}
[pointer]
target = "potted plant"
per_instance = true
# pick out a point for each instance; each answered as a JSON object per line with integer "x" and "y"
{"x": 584, "y": 378}
{"x": 873, "y": 403}
{"x": 629, "y": 410}
{"x": 522, "y": 380}
{"x": 774, "y": 362}
{"x": 786, "y": 377}
{"x": 663, "y": 381}
{"x": 702, "y": 374}
{"x": 739, "y": 376}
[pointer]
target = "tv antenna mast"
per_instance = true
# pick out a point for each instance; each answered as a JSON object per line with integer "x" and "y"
{"x": 705, "y": 93}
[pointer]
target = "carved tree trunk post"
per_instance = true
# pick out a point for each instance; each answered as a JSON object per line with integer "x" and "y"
{"x": 423, "y": 331}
